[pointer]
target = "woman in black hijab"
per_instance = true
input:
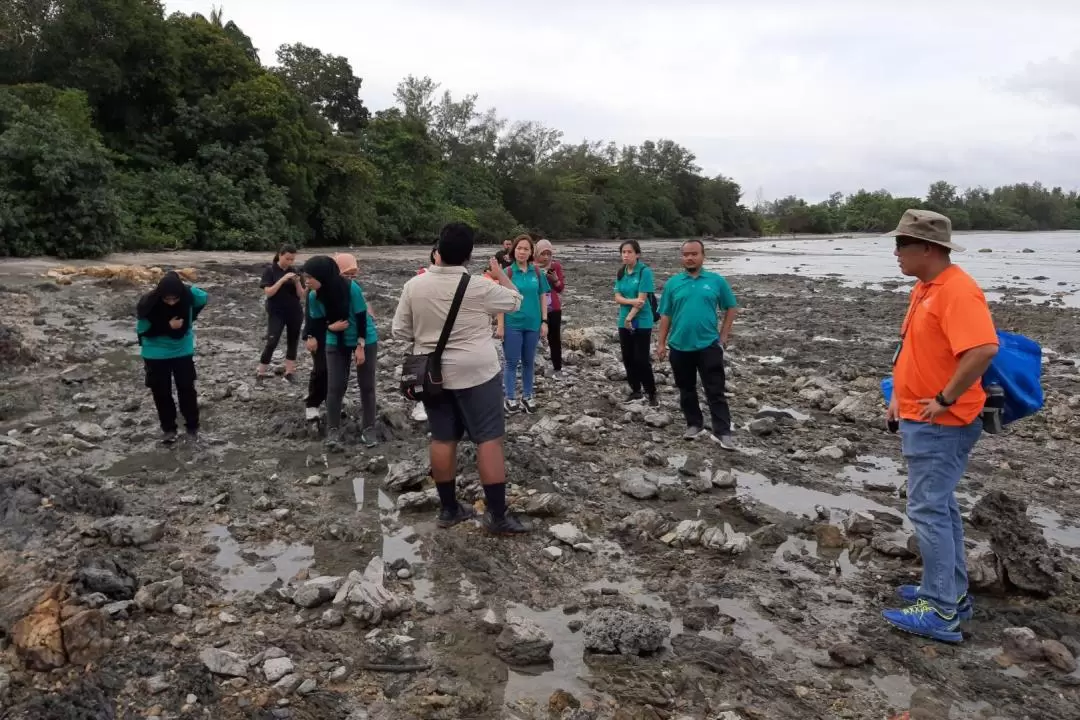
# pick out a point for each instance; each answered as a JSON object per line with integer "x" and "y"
{"x": 166, "y": 330}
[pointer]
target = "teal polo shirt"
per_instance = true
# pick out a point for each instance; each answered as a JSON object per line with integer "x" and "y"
{"x": 632, "y": 284}
{"x": 163, "y": 347}
{"x": 694, "y": 305}
{"x": 357, "y": 304}
{"x": 533, "y": 286}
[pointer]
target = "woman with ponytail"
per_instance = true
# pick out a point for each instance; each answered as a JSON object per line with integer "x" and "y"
{"x": 282, "y": 287}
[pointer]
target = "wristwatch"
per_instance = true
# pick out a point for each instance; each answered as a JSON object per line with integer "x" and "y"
{"x": 940, "y": 399}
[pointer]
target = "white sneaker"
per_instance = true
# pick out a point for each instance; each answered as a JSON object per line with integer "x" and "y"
{"x": 311, "y": 414}
{"x": 419, "y": 414}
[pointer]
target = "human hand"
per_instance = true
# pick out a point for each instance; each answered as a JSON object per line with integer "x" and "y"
{"x": 543, "y": 330}
{"x": 932, "y": 409}
{"x": 288, "y": 276}
{"x": 176, "y": 323}
{"x": 496, "y": 269}
{"x": 893, "y": 413}
{"x": 339, "y": 326}
{"x": 312, "y": 344}
{"x": 359, "y": 355}
{"x": 661, "y": 353}
{"x": 639, "y": 303}
{"x": 499, "y": 332}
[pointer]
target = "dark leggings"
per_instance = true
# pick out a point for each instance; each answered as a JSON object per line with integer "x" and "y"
{"x": 317, "y": 382}
{"x": 365, "y": 379}
{"x": 555, "y": 338}
{"x": 278, "y": 321}
{"x": 159, "y": 378}
{"x": 636, "y": 357}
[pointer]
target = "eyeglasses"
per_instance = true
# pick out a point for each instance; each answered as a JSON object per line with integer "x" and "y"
{"x": 906, "y": 242}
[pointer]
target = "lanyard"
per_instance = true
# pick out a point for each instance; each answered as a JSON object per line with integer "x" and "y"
{"x": 916, "y": 300}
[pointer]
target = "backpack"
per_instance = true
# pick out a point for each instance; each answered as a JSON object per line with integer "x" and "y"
{"x": 1017, "y": 369}
{"x": 650, "y": 296}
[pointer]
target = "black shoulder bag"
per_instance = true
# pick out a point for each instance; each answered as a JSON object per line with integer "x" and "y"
{"x": 650, "y": 296}
{"x": 421, "y": 375}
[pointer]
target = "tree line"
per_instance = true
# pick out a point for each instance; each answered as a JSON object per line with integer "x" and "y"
{"x": 124, "y": 128}
{"x": 1018, "y": 207}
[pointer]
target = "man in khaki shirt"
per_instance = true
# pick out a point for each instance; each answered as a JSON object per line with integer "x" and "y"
{"x": 472, "y": 402}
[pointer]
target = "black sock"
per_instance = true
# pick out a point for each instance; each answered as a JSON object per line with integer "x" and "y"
{"x": 495, "y": 496}
{"x": 447, "y": 494}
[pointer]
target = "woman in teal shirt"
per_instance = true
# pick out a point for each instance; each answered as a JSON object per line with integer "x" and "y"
{"x": 521, "y": 331}
{"x": 368, "y": 346}
{"x": 337, "y": 317}
{"x": 634, "y": 288}
{"x": 166, "y": 328}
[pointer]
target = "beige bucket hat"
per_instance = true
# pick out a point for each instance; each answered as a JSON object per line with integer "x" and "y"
{"x": 928, "y": 226}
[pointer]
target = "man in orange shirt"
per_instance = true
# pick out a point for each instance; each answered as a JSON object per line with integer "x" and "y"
{"x": 947, "y": 341}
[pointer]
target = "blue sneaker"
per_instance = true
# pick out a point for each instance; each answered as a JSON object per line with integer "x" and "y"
{"x": 965, "y": 609}
{"x": 923, "y": 620}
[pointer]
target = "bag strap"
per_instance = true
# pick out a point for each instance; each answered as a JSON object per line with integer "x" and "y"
{"x": 451, "y": 316}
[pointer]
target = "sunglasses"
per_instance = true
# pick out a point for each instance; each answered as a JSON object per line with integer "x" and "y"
{"x": 906, "y": 242}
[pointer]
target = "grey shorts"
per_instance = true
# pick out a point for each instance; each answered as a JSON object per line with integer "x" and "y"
{"x": 475, "y": 411}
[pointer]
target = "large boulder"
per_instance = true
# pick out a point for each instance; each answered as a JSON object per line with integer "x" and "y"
{"x": 612, "y": 631}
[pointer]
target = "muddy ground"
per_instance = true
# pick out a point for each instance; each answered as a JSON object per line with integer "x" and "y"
{"x": 200, "y": 581}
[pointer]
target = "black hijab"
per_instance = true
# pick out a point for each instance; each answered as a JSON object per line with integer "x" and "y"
{"x": 334, "y": 292}
{"x": 152, "y": 307}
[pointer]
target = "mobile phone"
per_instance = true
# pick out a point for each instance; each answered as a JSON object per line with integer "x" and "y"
{"x": 893, "y": 425}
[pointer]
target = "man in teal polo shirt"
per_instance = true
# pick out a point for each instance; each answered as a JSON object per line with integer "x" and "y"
{"x": 692, "y": 331}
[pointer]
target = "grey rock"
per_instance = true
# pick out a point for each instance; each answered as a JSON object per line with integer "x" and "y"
{"x": 421, "y": 500}
{"x": 382, "y": 648}
{"x": 544, "y": 505}
{"x": 611, "y": 631}
{"x": 122, "y": 530}
{"x": 523, "y": 642}
{"x": 658, "y": 419}
{"x": 701, "y": 483}
{"x": 227, "y": 618}
{"x": 157, "y": 684}
{"x": 182, "y": 611}
{"x": 405, "y": 475}
{"x": 859, "y": 523}
{"x": 223, "y": 662}
{"x": 317, "y": 591}
{"x": 831, "y": 452}
{"x": 106, "y": 576}
{"x": 984, "y": 570}
{"x": 1059, "y": 656}
{"x": 724, "y": 480}
{"x": 891, "y": 546}
{"x": 287, "y": 685}
{"x": 567, "y": 533}
{"x": 849, "y": 654}
{"x": 277, "y": 668}
{"x": 332, "y": 618}
{"x": 91, "y": 432}
{"x": 262, "y": 503}
{"x": 161, "y": 596}
{"x": 552, "y": 553}
{"x": 368, "y": 595}
{"x": 843, "y": 596}
{"x": 633, "y": 482}
{"x": 280, "y": 514}
{"x": 763, "y": 426}
{"x": 307, "y": 687}
{"x": 1022, "y": 643}
{"x": 118, "y": 609}
{"x": 647, "y": 521}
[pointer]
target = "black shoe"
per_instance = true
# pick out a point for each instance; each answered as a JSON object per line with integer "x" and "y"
{"x": 449, "y": 518}
{"x": 528, "y": 405}
{"x": 634, "y": 397}
{"x": 169, "y": 438}
{"x": 367, "y": 438}
{"x": 653, "y": 402}
{"x": 290, "y": 378}
{"x": 508, "y": 525}
{"x": 192, "y": 436}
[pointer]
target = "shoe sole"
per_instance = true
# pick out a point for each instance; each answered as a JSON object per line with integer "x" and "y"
{"x": 950, "y": 639}
{"x": 447, "y": 524}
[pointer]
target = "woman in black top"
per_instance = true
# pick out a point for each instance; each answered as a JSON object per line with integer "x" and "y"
{"x": 283, "y": 291}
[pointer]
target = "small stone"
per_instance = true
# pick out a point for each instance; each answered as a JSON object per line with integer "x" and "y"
{"x": 280, "y": 514}
{"x": 189, "y": 499}
{"x": 191, "y": 699}
{"x": 724, "y": 480}
{"x": 587, "y": 547}
{"x": 287, "y": 685}
{"x": 859, "y": 523}
{"x": 307, "y": 687}
{"x": 228, "y": 618}
{"x": 634, "y": 483}
{"x": 161, "y": 596}
{"x": 849, "y": 654}
{"x": 700, "y": 483}
{"x": 262, "y": 503}
{"x": 763, "y": 426}
{"x": 123, "y": 530}
{"x": 277, "y": 668}
{"x": 1059, "y": 656}
{"x": 523, "y": 642}
{"x": 339, "y": 673}
{"x": 831, "y": 453}
{"x": 332, "y": 618}
{"x": 567, "y": 533}
{"x": 611, "y": 631}
{"x": 404, "y": 574}
{"x": 658, "y": 420}
{"x": 1022, "y": 643}
{"x": 91, "y": 432}
{"x": 843, "y": 596}
{"x": 552, "y": 553}
{"x": 223, "y": 662}
{"x": 157, "y": 684}
{"x": 829, "y": 536}
{"x": 182, "y": 611}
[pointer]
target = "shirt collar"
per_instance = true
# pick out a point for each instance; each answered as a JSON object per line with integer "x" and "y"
{"x": 942, "y": 277}
{"x": 451, "y": 270}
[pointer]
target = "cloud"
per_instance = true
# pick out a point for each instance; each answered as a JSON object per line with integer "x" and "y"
{"x": 1055, "y": 80}
{"x": 786, "y": 97}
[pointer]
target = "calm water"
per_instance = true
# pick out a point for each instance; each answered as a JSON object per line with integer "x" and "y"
{"x": 1051, "y": 271}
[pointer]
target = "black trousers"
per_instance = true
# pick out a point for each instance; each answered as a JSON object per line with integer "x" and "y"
{"x": 709, "y": 363}
{"x": 282, "y": 320}
{"x": 637, "y": 359}
{"x": 555, "y": 338}
{"x": 317, "y": 383}
{"x": 160, "y": 375}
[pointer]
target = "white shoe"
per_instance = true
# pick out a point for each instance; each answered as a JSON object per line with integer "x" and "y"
{"x": 557, "y": 376}
{"x": 419, "y": 414}
{"x": 311, "y": 414}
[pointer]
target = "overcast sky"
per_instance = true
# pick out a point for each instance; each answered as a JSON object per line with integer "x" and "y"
{"x": 785, "y": 96}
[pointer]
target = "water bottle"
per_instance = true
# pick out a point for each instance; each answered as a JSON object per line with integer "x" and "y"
{"x": 993, "y": 409}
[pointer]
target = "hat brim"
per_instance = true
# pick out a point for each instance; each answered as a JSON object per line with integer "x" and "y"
{"x": 950, "y": 245}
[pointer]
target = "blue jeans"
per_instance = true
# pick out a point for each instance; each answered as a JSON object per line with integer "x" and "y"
{"x": 937, "y": 456}
{"x": 519, "y": 347}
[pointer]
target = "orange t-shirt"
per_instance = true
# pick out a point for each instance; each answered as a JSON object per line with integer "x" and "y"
{"x": 946, "y": 317}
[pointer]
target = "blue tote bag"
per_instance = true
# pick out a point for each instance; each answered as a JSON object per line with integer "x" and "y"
{"x": 1017, "y": 368}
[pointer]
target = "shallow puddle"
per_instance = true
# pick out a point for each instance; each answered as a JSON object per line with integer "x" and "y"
{"x": 258, "y": 567}
{"x": 873, "y": 473}
{"x": 631, "y": 589}
{"x": 762, "y": 637}
{"x": 567, "y": 660}
{"x": 799, "y": 500}
{"x": 839, "y": 558}
{"x": 1056, "y": 529}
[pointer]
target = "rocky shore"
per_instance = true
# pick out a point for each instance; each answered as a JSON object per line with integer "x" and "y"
{"x": 257, "y": 576}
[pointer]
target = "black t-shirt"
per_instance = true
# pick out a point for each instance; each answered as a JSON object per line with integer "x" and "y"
{"x": 285, "y": 299}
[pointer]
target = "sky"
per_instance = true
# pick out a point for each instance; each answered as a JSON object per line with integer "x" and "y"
{"x": 785, "y": 97}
